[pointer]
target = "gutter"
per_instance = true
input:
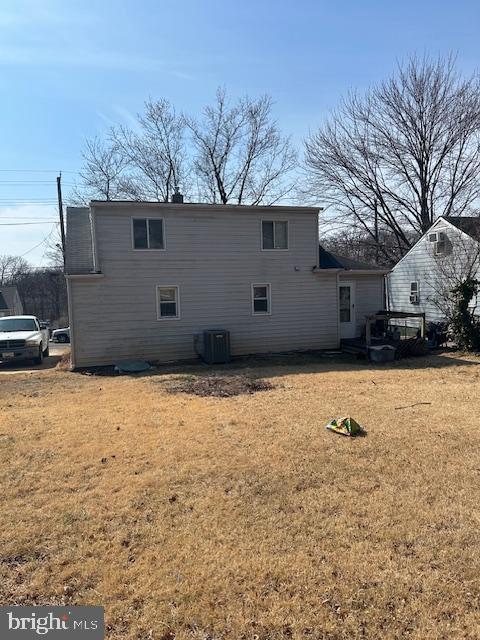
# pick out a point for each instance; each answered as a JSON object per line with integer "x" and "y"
{"x": 367, "y": 272}
{"x": 85, "y": 276}
{"x": 200, "y": 206}
{"x": 329, "y": 272}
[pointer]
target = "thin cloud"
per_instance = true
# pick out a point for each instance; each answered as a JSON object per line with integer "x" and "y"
{"x": 85, "y": 58}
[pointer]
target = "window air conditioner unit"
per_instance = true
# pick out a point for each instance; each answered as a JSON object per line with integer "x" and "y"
{"x": 414, "y": 298}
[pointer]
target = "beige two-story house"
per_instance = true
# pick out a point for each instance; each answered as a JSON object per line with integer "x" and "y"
{"x": 146, "y": 278}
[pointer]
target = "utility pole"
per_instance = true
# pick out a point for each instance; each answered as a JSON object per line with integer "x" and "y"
{"x": 60, "y": 212}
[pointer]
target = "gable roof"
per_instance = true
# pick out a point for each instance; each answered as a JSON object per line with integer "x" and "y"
{"x": 7, "y": 297}
{"x": 468, "y": 224}
{"x": 329, "y": 260}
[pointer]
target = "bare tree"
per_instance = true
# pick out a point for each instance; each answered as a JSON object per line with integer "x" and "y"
{"x": 43, "y": 293}
{"x": 53, "y": 249}
{"x": 12, "y": 268}
{"x": 233, "y": 154}
{"x": 402, "y": 155}
{"x": 102, "y": 172}
{"x": 358, "y": 245}
{"x": 241, "y": 156}
{"x": 155, "y": 153}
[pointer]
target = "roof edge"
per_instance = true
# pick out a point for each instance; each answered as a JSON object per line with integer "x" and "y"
{"x": 200, "y": 206}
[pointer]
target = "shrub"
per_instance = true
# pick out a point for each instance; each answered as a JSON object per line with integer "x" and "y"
{"x": 464, "y": 325}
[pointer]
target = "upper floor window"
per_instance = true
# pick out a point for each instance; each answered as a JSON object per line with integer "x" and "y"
{"x": 148, "y": 233}
{"x": 274, "y": 234}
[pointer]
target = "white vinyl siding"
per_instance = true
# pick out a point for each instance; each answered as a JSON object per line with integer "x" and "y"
{"x": 213, "y": 257}
{"x": 424, "y": 266}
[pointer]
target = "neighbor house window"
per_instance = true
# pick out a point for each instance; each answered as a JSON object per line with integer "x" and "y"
{"x": 261, "y": 304}
{"x": 274, "y": 234}
{"x": 168, "y": 303}
{"x": 414, "y": 292}
{"x": 148, "y": 233}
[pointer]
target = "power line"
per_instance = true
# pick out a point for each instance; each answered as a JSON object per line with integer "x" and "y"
{"x": 33, "y": 203}
{"x": 46, "y": 238}
{"x": 36, "y": 171}
{"x": 20, "y": 224}
{"x": 27, "y": 182}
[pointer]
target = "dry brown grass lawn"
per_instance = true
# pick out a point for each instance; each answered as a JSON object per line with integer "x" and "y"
{"x": 242, "y": 518}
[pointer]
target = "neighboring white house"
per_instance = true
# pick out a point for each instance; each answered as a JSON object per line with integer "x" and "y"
{"x": 10, "y": 303}
{"x": 441, "y": 258}
{"x": 144, "y": 278}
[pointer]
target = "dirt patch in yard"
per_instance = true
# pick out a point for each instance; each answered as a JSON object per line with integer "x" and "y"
{"x": 219, "y": 386}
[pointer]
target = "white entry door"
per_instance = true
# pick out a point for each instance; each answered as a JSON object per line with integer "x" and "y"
{"x": 346, "y": 309}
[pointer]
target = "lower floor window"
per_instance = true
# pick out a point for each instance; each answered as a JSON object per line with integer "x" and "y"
{"x": 261, "y": 299}
{"x": 167, "y": 302}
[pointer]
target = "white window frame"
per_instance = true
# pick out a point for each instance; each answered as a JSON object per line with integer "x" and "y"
{"x": 414, "y": 293}
{"x": 147, "y": 219}
{"x": 177, "y": 301}
{"x": 274, "y": 222}
{"x": 269, "y": 298}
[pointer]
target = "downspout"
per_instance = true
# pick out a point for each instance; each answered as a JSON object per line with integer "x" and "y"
{"x": 94, "y": 240}
{"x": 337, "y": 308}
{"x": 71, "y": 324}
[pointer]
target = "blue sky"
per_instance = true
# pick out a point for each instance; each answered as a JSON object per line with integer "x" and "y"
{"x": 68, "y": 70}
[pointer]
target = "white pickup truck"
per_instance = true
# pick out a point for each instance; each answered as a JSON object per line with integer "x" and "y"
{"x": 22, "y": 338}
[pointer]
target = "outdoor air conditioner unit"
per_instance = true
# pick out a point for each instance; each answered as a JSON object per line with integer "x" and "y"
{"x": 213, "y": 346}
{"x": 414, "y": 298}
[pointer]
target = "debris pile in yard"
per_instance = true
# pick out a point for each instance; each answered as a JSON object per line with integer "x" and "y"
{"x": 346, "y": 427}
{"x": 219, "y": 386}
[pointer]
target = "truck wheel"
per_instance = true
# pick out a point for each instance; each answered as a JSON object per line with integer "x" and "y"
{"x": 39, "y": 358}
{"x": 46, "y": 353}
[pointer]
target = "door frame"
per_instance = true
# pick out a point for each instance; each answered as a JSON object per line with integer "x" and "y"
{"x": 353, "y": 320}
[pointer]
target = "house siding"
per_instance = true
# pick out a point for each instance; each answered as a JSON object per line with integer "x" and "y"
{"x": 422, "y": 266}
{"x": 213, "y": 257}
{"x": 369, "y": 296}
